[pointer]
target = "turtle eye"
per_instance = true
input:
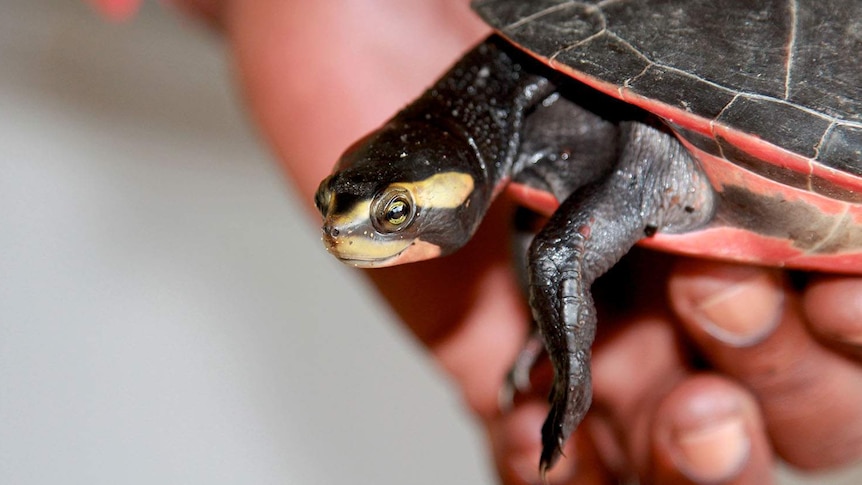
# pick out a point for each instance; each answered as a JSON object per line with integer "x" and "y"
{"x": 396, "y": 213}
{"x": 323, "y": 196}
{"x": 393, "y": 210}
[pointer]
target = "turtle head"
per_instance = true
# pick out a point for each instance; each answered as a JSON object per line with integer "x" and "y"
{"x": 407, "y": 192}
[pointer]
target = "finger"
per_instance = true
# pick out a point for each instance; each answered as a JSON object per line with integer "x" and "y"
{"x": 652, "y": 419}
{"x": 748, "y": 324}
{"x": 709, "y": 430}
{"x": 833, "y": 307}
{"x": 516, "y": 445}
{"x": 633, "y": 368}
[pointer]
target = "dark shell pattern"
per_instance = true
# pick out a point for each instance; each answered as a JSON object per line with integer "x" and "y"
{"x": 773, "y": 86}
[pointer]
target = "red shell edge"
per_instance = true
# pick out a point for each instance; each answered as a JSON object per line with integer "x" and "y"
{"x": 728, "y": 243}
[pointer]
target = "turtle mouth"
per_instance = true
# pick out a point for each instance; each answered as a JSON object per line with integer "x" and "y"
{"x": 369, "y": 263}
{"x": 365, "y": 252}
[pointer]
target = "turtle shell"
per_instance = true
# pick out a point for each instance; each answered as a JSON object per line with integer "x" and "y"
{"x": 767, "y": 95}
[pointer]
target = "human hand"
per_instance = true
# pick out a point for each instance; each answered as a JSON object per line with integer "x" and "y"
{"x": 318, "y": 75}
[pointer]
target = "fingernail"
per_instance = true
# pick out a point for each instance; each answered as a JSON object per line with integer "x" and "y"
{"x": 833, "y": 307}
{"x": 712, "y": 452}
{"x": 745, "y": 312}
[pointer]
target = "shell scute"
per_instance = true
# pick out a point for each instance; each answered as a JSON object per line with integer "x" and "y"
{"x": 782, "y": 71}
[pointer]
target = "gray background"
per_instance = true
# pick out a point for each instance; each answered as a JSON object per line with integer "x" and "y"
{"x": 167, "y": 314}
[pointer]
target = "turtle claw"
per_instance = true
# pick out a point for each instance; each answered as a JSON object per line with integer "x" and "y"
{"x": 518, "y": 378}
{"x": 570, "y": 401}
{"x": 506, "y": 396}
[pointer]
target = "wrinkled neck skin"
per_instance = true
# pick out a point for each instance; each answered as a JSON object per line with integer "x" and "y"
{"x": 484, "y": 100}
{"x": 449, "y": 152}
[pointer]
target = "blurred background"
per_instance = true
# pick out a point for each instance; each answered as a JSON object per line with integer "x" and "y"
{"x": 167, "y": 314}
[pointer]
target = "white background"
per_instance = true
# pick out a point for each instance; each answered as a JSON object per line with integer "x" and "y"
{"x": 167, "y": 314}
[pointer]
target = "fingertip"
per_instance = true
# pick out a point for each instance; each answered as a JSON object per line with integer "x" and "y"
{"x": 833, "y": 309}
{"x": 709, "y": 430}
{"x": 516, "y": 445}
{"x": 794, "y": 378}
{"x": 735, "y": 305}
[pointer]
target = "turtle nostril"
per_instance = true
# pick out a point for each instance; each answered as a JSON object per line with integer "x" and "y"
{"x": 331, "y": 231}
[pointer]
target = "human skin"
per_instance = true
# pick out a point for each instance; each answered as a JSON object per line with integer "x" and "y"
{"x": 782, "y": 365}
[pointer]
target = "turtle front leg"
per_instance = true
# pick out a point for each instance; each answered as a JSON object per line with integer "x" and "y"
{"x": 655, "y": 186}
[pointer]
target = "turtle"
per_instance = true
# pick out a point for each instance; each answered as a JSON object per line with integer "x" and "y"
{"x": 727, "y": 129}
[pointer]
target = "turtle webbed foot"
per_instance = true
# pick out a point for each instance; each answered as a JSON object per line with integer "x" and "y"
{"x": 566, "y": 318}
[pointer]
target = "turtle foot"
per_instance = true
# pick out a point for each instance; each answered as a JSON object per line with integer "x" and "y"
{"x": 570, "y": 401}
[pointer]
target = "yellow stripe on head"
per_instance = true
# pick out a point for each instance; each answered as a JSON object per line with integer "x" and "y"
{"x": 359, "y": 212}
{"x": 446, "y": 190}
